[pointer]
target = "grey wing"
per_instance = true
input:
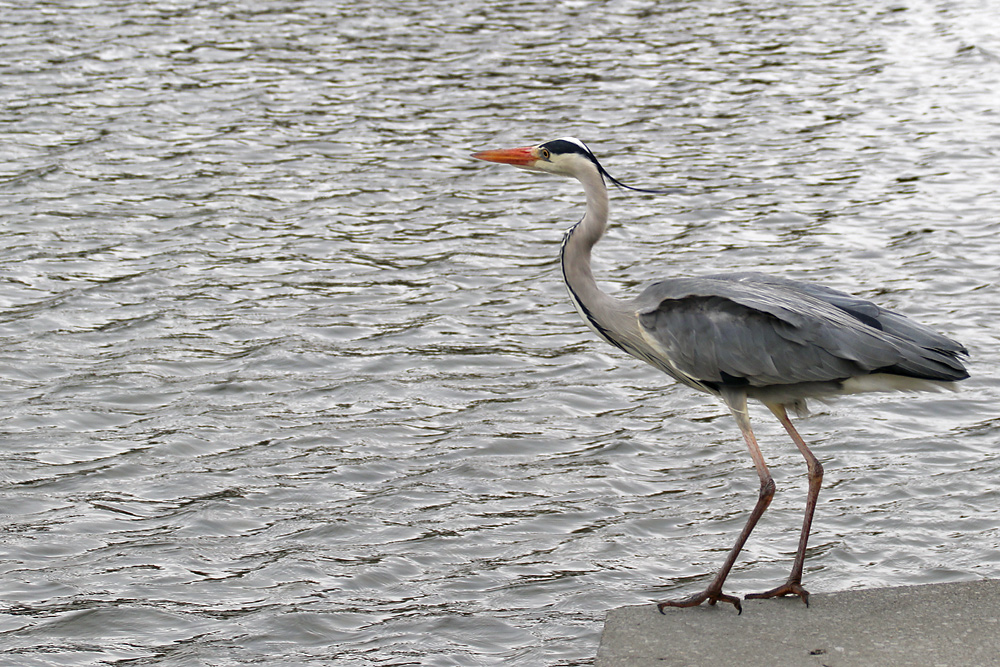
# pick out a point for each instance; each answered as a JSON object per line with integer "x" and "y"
{"x": 718, "y": 341}
{"x": 721, "y": 330}
{"x": 861, "y": 309}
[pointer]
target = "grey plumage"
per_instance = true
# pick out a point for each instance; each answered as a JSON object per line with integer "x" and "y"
{"x": 756, "y": 330}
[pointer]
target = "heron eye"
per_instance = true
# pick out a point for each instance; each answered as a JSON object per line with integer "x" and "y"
{"x": 546, "y": 154}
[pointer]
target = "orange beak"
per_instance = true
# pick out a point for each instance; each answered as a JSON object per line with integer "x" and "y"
{"x": 519, "y": 157}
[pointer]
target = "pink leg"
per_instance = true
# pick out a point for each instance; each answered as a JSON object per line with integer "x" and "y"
{"x": 737, "y": 402}
{"x": 794, "y": 584}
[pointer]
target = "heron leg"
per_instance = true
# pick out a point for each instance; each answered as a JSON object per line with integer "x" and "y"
{"x": 737, "y": 403}
{"x": 794, "y": 584}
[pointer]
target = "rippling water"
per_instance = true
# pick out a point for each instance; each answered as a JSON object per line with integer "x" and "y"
{"x": 290, "y": 380}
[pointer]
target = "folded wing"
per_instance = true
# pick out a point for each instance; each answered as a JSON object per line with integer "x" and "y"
{"x": 751, "y": 329}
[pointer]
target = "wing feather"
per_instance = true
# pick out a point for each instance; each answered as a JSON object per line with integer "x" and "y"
{"x": 738, "y": 330}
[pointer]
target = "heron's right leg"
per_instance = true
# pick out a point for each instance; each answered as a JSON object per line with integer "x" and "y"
{"x": 737, "y": 403}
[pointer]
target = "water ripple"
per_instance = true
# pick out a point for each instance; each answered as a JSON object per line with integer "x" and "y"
{"x": 290, "y": 379}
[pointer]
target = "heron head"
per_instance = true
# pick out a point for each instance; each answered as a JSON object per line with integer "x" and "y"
{"x": 566, "y": 156}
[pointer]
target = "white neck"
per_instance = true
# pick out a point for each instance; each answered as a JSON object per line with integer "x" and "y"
{"x": 596, "y": 308}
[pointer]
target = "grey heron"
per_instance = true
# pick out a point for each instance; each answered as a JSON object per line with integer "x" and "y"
{"x": 743, "y": 335}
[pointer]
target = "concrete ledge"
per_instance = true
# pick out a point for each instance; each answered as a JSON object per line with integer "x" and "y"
{"x": 937, "y": 625}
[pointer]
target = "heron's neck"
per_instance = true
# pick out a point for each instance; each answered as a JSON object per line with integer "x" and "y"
{"x": 595, "y": 307}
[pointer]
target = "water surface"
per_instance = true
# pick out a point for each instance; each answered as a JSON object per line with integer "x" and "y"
{"x": 288, "y": 379}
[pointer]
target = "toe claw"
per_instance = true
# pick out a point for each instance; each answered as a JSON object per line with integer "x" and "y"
{"x": 787, "y": 588}
{"x": 705, "y": 596}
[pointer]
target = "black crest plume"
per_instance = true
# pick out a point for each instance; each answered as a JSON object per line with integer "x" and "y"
{"x": 563, "y": 146}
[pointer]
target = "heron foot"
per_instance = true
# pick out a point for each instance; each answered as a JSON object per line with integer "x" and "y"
{"x": 710, "y": 596}
{"x": 790, "y": 587}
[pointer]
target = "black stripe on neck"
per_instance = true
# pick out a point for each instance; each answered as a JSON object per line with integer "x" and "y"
{"x": 597, "y": 326}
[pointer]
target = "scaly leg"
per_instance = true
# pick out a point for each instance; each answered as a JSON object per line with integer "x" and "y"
{"x": 794, "y": 584}
{"x": 737, "y": 402}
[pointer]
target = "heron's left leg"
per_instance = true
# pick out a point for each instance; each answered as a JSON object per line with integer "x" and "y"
{"x": 794, "y": 584}
{"x": 737, "y": 402}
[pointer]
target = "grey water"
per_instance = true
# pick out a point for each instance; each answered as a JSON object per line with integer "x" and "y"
{"x": 287, "y": 379}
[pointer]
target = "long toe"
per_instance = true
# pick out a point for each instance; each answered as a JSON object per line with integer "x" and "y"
{"x": 787, "y": 588}
{"x": 705, "y": 596}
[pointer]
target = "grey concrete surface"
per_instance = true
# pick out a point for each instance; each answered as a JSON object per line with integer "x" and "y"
{"x": 937, "y": 625}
